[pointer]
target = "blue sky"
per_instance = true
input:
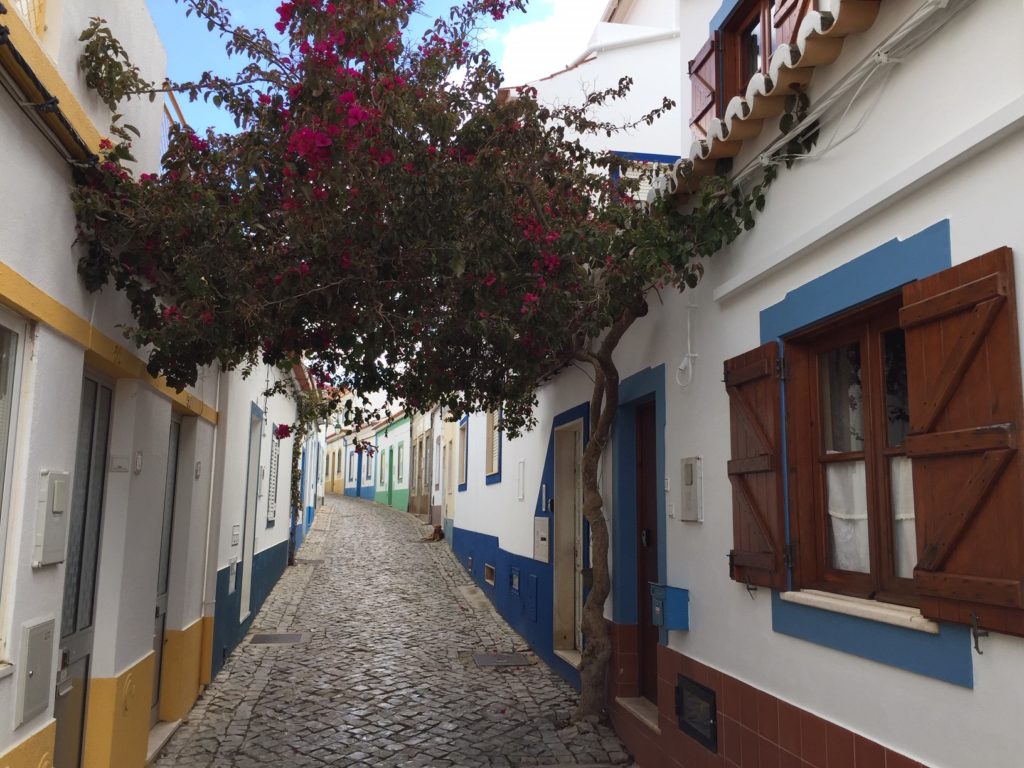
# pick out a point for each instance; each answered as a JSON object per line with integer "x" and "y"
{"x": 522, "y": 44}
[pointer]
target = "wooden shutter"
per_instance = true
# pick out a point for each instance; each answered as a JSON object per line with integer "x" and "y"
{"x": 787, "y": 18}
{"x": 703, "y": 70}
{"x": 755, "y": 470}
{"x": 964, "y": 383}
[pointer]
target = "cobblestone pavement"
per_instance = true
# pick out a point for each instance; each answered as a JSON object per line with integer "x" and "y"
{"x": 386, "y": 675}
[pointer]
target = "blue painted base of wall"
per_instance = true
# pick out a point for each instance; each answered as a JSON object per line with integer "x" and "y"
{"x": 530, "y": 609}
{"x": 366, "y": 492}
{"x": 310, "y": 513}
{"x": 228, "y": 631}
{"x": 352, "y": 492}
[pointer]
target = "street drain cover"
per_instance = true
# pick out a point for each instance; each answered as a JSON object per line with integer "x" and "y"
{"x": 500, "y": 660}
{"x": 280, "y": 638}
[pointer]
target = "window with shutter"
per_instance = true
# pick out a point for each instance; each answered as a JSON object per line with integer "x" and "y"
{"x": 755, "y": 469}
{"x": 493, "y": 457}
{"x": 740, "y": 48}
{"x": 905, "y": 479}
{"x": 463, "y": 454}
{"x": 963, "y": 371}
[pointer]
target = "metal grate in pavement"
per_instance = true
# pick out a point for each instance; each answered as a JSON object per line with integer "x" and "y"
{"x": 276, "y": 638}
{"x": 500, "y": 660}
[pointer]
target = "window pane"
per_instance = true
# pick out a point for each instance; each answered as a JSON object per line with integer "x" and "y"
{"x": 903, "y": 524}
{"x": 79, "y": 502}
{"x": 8, "y": 350}
{"x": 848, "y": 516}
{"x": 750, "y": 51}
{"x": 897, "y": 411}
{"x": 842, "y": 400}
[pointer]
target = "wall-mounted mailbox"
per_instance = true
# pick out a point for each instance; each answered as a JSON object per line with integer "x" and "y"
{"x": 670, "y": 607}
{"x": 541, "y": 533}
{"x": 51, "y": 519}
{"x": 35, "y": 662}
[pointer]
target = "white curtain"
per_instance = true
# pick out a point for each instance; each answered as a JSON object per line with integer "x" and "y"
{"x": 848, "y": 516}
{"x": 904, "y": 530}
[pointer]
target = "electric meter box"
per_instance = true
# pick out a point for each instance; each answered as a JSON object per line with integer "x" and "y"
{"x": 52, "y": 512}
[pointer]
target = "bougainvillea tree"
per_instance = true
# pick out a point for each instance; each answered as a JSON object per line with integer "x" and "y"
{"x": 388, "y": 214}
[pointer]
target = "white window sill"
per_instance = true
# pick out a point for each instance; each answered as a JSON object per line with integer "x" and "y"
{"x": 6, "y": 669}
{"x": 887, "y": 613}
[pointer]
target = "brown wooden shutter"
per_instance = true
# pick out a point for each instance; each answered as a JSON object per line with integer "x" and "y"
{"x": 964, "y": 381}
{"x": 787, "y": 18}
{"x": 703, "y": 70}
{"x": 755, "y": 470}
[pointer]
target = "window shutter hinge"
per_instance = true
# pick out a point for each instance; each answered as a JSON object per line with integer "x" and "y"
{"x": 781, "y": 369}
{"x": 789, "y": 555}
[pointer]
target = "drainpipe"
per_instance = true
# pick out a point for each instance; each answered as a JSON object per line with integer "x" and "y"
{"x": 209, "y": 602}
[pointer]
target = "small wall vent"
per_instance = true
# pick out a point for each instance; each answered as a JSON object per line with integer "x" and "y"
{"x": 489, "y": 573}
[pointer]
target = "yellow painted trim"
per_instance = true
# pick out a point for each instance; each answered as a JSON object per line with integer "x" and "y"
{"x": 206, "y": 664}
{"x": 181, "y": 668}
{"x": 101, "y": 352}
{"x": 26, "y": 44}
{"x": 117, "y": 717}
{"x": 34, "y": 752}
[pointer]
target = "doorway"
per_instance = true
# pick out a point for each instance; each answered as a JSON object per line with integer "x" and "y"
{"x": 646, "y": 545}
{"x": 449, "y": 463}
{"x": 80, "y": 571}
{"x": 568, "y": 540}
{"x": 164, "y": 569}
{"x": 391, "y": 474}
{"x": 253, "y": 476}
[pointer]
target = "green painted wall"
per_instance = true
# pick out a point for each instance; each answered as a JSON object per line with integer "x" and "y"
{"x": 399, "y": 498}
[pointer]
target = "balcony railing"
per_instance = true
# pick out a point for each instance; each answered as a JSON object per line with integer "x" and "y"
{"x": 34, "y": 13}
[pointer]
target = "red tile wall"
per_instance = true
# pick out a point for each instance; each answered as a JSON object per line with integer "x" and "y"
{"x": 755, "y": 729}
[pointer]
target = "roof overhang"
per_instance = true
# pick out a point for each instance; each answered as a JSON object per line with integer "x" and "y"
{"x": 32, "y": 80}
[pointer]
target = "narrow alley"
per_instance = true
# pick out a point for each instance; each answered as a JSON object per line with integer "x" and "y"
{"x": 382, "y": 671}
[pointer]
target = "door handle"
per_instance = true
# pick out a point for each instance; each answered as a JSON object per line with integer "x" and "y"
{"x": 645, "y": 537}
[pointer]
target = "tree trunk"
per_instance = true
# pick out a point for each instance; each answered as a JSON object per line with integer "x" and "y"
{"x": 604, "y": 403}
{"x": 295, "y": 493}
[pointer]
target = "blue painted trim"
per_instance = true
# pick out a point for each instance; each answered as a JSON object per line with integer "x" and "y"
{"x": 945, "y": 656}
{"x": 721, "y": 17}
{"x": 464, "y": 422}
{"x": 547, "y": 475}
{"x": 883, "y": 269}
{"x": 530, "y": 611}
{"x": 495, "y": 477}
{"x": 647, "y": 157}
{"x": 267, "y": 567}
{"x": 639, "y": 388}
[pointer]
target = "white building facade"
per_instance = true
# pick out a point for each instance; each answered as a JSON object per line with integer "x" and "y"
{"x": 814, "y": 459}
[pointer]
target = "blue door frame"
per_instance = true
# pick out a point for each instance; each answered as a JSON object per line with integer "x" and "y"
{"x": 642, "y": 387}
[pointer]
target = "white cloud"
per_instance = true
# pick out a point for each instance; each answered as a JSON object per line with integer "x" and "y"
{"x": 552, "y": 34}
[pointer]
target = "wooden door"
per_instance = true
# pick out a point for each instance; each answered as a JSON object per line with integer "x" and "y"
{"x": 647, "y": 546}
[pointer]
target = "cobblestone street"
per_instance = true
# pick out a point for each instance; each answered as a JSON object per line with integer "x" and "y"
{"x": 384, "y": 675}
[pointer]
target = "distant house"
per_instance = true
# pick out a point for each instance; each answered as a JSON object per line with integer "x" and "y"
{"x": 391, "y": 457}
{"x": 813, "y": 486}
